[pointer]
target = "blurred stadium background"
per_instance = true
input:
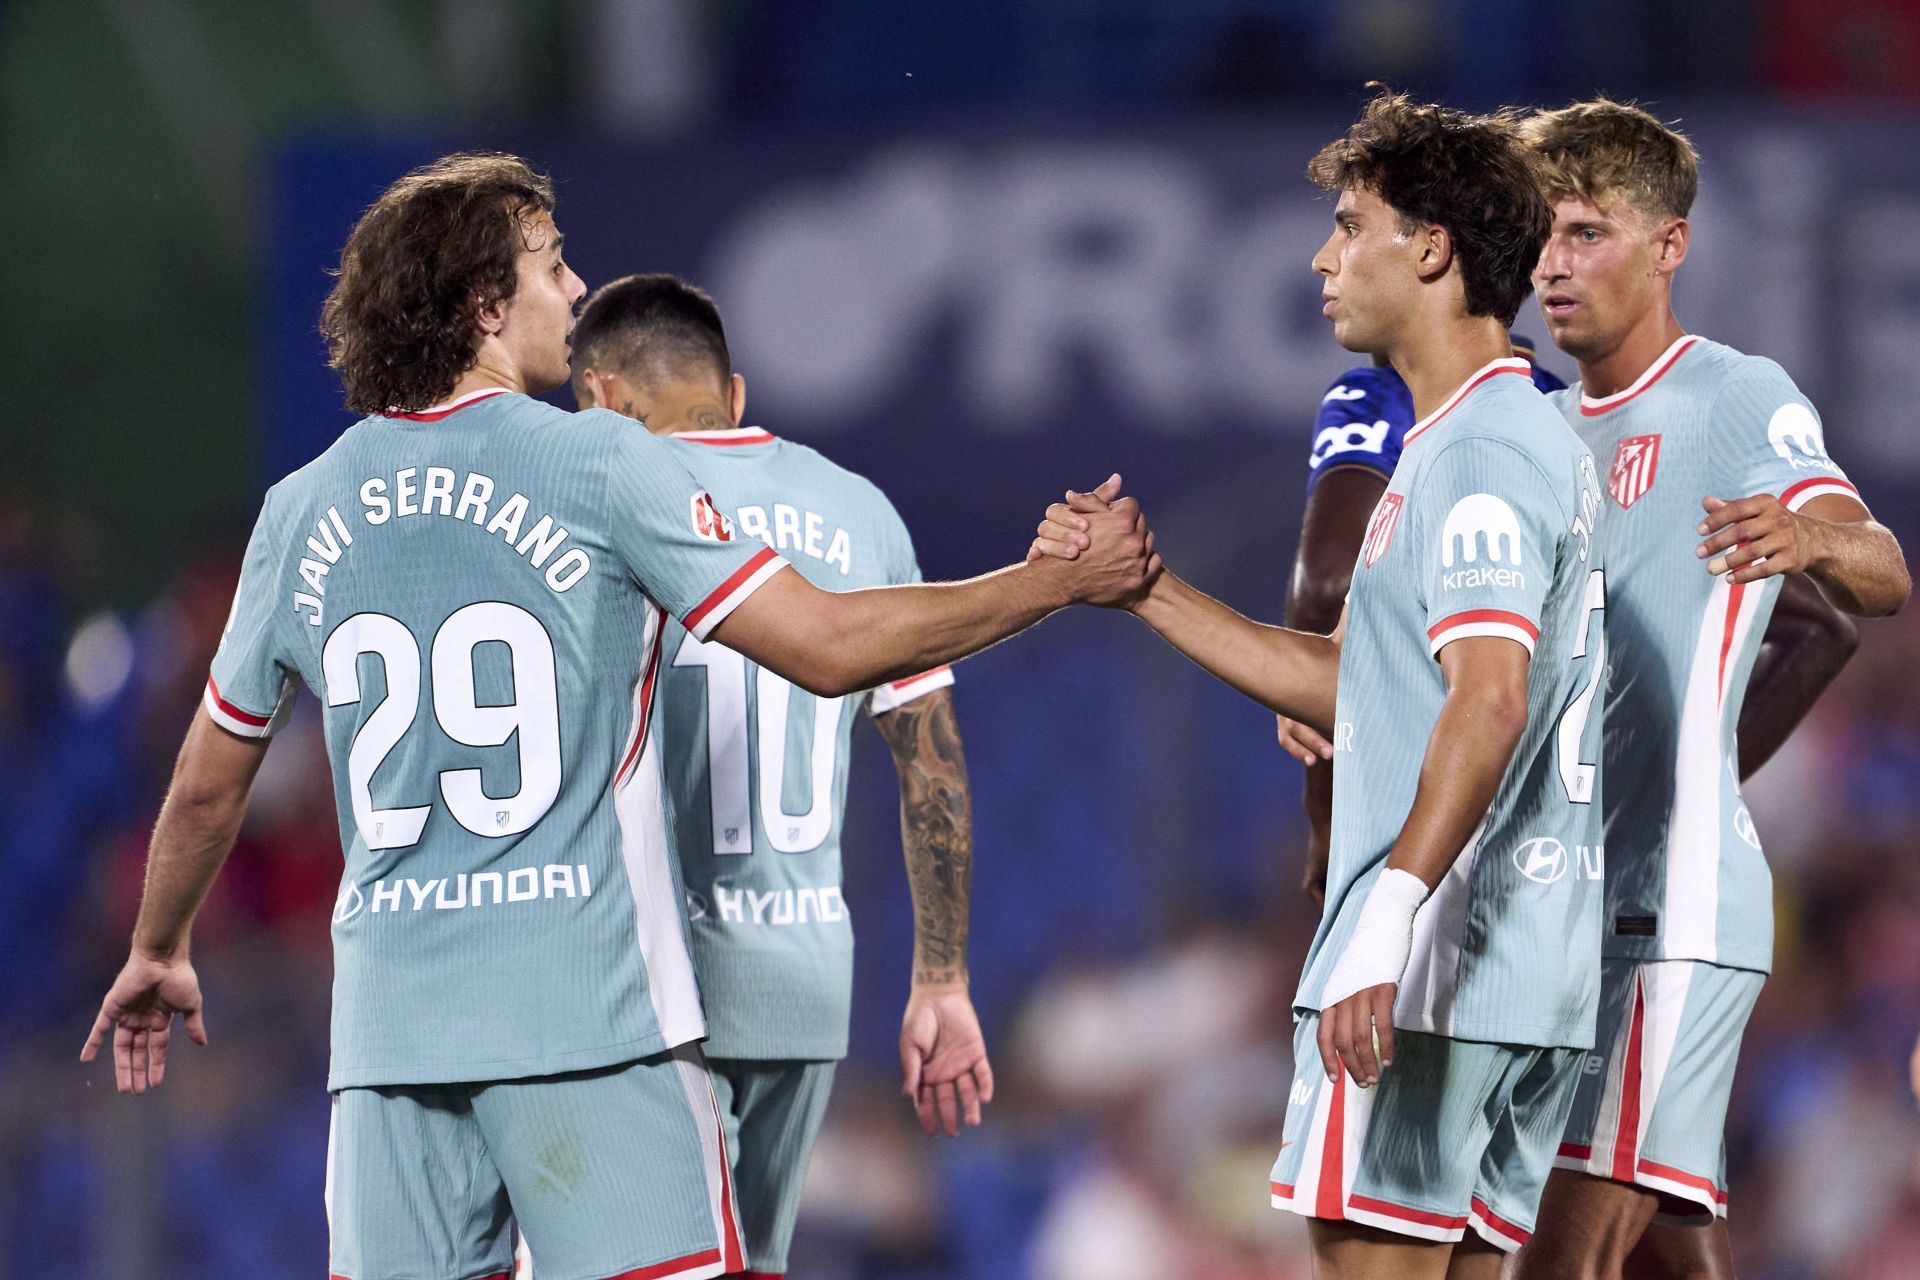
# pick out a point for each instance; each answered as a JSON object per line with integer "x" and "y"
{"x": 980, "y": 252}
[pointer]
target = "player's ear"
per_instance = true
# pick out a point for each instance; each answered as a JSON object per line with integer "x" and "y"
{"x": 1674, "y": 235}
{"x": 1436, "y": 252}
{"x": 586, "y": 390}
{"x": 737, "y": 398}
{"x": 489, "y": 314}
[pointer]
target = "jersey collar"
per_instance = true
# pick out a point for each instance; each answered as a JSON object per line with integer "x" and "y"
{"x": 1506, "y": 364}
{"x": 1590, "y": 407}
{"x": 732, "y": 437}
{"x": 440, "y": 411}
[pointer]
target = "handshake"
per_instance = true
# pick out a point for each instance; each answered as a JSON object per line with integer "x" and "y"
{"x": 1100, "y": 547}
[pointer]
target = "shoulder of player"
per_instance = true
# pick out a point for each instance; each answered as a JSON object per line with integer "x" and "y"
{"x": 1544, "y": 444}
{"x": 793, "y": 454}
{"x": 1566, "y": 400}
{"x": 1739, "y": 390}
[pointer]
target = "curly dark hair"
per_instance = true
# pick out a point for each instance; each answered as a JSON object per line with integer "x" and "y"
{"x": 439, "y": 243}
{"x": 1470, "y": 174}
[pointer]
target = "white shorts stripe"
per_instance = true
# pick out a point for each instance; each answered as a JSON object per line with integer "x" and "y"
{"x": 705, "y": 1106}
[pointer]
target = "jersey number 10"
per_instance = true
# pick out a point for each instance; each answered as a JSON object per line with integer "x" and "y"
{"x": 729, "y": 782}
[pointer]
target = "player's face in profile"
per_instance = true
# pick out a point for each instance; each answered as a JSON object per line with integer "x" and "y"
{"x": 1596, "y": 277}
{"x": 1366, "y": 267}
{"x": 538, "y": 318}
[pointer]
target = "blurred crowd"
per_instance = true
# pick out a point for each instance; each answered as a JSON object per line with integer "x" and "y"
{"x": 1141, "y": 1087}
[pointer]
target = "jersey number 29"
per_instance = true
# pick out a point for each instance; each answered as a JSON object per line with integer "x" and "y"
{"x": 532, "y": 718}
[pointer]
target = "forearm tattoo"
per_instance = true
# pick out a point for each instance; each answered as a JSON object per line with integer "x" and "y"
{"x": 936, "y": 830}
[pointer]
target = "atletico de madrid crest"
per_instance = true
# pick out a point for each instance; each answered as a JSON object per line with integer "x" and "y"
{"x": 1380, "y": 528}
{"x": 1634, "y": 463}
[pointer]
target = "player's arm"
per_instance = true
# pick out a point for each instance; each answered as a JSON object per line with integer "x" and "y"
{"x": 1832, "y": 539}
{"x": 943, "y": 1055}
{"x": 835, "y": 643}
{"x": 685, "y": 554}
{"x": 196, "y": 829}
{"x": 1331, "y": 530}
{"x": 1802, "y": 514}
{"x": 1473, "y": 741}
{"x": 1290, "y": 672}
{"x": 1807, "y": 642}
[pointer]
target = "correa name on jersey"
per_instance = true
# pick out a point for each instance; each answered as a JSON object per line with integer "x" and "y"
{"x": 792, "y": 528}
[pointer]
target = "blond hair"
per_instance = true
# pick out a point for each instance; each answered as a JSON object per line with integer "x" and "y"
{"x": 1608, "y": 152}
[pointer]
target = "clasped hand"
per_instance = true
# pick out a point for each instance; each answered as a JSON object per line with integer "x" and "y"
{"x": 1106, "y": 539}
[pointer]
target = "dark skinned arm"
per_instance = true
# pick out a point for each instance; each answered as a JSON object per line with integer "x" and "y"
{"x": 1331, "y": 530}
{"x": 1807, "y": 642}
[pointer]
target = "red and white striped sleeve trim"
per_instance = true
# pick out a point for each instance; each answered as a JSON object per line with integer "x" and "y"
{"x": 1481, "y": 622}
{"x": 888, "y": 697}
{"x": 731, "y": 594}
{"x": 1799, "y": 495}
{"x": 238, "y": 720}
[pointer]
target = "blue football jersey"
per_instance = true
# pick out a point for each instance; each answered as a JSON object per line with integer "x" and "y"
{"x": 1364, "y": 416}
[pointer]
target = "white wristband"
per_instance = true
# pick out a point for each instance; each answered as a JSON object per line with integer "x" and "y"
{"x": 1382, "y": 939}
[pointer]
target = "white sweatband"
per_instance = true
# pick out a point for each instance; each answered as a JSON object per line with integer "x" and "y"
{"x": 1382, "y": 939}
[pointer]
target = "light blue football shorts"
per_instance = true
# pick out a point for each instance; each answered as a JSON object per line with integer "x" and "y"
{"x": 1652, "y": 1106}
{"x": 1457, "y": 1134}
{"x": 618, "y": 1173}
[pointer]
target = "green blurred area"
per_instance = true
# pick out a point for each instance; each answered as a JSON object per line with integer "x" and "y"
{"x": 134, "y": 137}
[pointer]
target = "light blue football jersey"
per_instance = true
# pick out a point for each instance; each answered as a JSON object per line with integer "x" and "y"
{"x": 1687, "y": 879}
{"x": 1486, "y": 529}
{"x": 475, "y": 594}
{"x": 757, "y": 769}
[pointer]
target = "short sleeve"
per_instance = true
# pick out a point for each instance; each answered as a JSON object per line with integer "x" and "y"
{"x": 679, "y": 546}
{"x": 251, "y": 686}
{"x": 1772, "y": 438}
{"x": 1361, "y": 422}
{"x": 903, "y": 569}
{"x": 1490, "y": 527}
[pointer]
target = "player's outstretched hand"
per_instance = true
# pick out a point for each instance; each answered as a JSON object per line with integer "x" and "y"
{"x": 139, "y": 1011}
{"x": 1350, "y": 1030}
{"x": 1107, "y": 538}
{"x": 1753, "y": 537}
{"x": 943, "y": 1058}
{"x": 1303, "y": 742}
